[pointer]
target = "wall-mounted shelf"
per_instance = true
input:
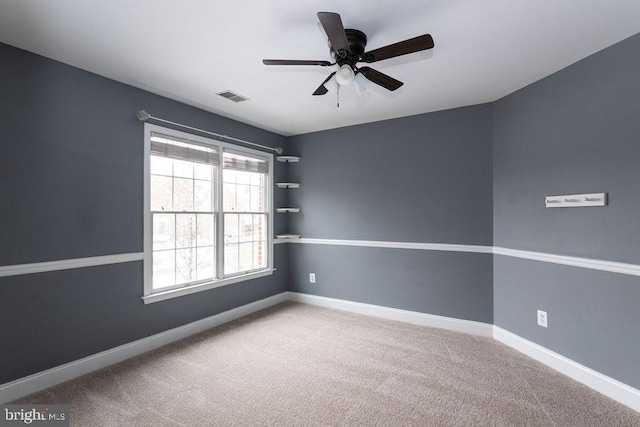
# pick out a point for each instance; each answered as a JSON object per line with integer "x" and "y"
{"x": 576, "y": 200}
{"x": 287, "y": 236}
{"x": 289, "y": 159}
{"x": 288, "y": 184}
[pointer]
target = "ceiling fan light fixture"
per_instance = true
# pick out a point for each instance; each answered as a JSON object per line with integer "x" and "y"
{"x": 361, "y": 82}
{"x": 345, "y": 75}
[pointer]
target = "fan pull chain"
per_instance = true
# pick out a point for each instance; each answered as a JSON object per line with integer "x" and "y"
{"x": 338, "y": 97}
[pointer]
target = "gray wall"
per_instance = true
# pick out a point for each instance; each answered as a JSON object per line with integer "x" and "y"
{"x": 70, "y": 187}
{"x": 577, "y": 131}
{"x": 424, "y": 178}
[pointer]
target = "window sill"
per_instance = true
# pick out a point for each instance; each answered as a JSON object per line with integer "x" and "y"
{"x": 174, "y": 293}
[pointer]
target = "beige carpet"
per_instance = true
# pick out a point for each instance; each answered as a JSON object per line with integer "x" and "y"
{"x": 296, "y": 364}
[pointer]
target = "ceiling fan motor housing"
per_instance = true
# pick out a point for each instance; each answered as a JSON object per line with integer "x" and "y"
{"x": 357, "y": 43}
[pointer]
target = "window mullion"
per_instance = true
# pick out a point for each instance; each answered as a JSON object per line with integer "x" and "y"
{"x": 195, "y": 242}
{"x": 175, "y": 248}
{"x": 219, "y": 201}
{"x": 173, "y": 186}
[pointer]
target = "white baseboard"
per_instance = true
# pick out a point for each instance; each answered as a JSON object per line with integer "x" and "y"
{"x": 423, "y": 319}
{"x": 42, "y": 380}
{"x": 610, "y": 387}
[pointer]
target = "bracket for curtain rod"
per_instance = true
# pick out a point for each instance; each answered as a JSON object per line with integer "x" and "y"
{"x": 143, "y": 116}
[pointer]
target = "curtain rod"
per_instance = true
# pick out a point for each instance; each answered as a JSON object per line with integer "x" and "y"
{"x": 143, "y": 116}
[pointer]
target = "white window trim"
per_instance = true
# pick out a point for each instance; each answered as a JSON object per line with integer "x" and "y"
{"x": 148, "y": 296}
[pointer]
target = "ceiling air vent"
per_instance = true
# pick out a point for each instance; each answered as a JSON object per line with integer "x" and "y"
{"x": 232, "y": 96}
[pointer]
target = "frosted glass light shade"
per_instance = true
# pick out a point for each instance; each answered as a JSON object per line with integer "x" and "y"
{"x": 361, "y": 82}
{"x": 345, "y": 75}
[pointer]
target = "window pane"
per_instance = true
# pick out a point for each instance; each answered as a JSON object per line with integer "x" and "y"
{"x": 229, "y": 191}
{"x": 243, "y": 198}
{"x": 257, "y": 179}
{"x": 161, "y": 189}
{"x": 201, "y": 171}
{"x": 231, "y": 234}
{"x": 183, "y": 169}
{"x": 245, "y": 256}
{"x": 161, "y": 165}
{"x": 205, "y": 230}
{"x": 202, "y": 196}
{"x": 185, "y": 265}
{"x": 259, "y": 227}
{"x": 245, "y": 227}
{"x": 230, "y": 258}
{"x": 243, "y": 177}
{"x": 205, "y": 268}
{"x": 182, "y": 194}
{"x": 260, "y": 254}
{"x": 185, "y": 230}
{"x": 163, "y": 269}
{"x": 257, "y": 204}
{"x": 164, "y": 231}
{"x": 228, "y": 176}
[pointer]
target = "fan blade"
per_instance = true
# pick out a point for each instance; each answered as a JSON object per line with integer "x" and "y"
{"x": 321, "y": 89}
{"x": 295, "y": 62}
{"x": 332, "y": 25}
{"x": 415, "y": 44}
{"x": 380, "y": 78}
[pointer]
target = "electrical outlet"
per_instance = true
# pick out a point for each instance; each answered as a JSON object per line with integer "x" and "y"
{"x": 312, "y": 277}
{"x": 542, "y": 318}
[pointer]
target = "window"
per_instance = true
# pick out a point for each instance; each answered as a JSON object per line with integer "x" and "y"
{"x": 245, "y": 215}
{"x": 208, "y": 213}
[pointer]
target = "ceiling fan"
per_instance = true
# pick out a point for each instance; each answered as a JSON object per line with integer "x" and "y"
{"x": 347, "y": 47}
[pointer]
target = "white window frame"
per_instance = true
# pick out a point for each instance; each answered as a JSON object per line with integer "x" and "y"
{"x": 150, "y": 296}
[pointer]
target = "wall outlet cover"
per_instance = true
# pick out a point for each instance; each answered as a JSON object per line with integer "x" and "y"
{"x": 542, "y": 318}
{"x": 312, "y": 277}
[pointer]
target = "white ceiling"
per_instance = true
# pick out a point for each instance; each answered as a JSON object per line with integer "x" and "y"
{"x": 190, "y": 50}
